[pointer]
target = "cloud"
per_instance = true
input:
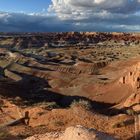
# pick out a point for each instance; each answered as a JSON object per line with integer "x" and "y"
{"x": 71, "y": 9}
{"x": 76, "y": 15}
{"x": 21, "y": 22}
{"x": 113, "y": 13}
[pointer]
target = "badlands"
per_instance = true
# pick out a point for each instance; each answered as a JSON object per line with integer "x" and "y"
{"x": 69, "y": 86}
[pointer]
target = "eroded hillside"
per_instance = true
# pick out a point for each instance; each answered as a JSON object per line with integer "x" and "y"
{"x": 55, "y": 77}
{"x": 68, "y": 39}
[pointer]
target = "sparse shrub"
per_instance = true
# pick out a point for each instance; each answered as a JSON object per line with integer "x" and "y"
{"x": 49, "y": 105}
{"x": 58, "y": 123}
{"x": 118, "y": 125}
{"x": 18, "y": 99}
{"x": 96, "y": 71}
{"x": 52, "y": 105}
{"x": 83, "y": 103}
{"x": 130, "y": 112}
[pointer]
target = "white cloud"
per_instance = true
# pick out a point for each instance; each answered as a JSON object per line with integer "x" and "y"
{"x": 98, "y": 11}
{"x": 73, "y": 9}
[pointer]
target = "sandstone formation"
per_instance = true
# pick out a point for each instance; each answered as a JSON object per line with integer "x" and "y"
{"x": 74, "y": 133}
{"x": 66, "y": 79}
{"x": 63, "y": 39}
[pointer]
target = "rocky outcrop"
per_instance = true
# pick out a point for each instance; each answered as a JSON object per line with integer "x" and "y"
{"x": 23, "y": 41}
{"x": 12, "y": 75}
{"x": 133, "y": 102}
{"x": 74, "y": 133}
{"x": 132, "y": 76}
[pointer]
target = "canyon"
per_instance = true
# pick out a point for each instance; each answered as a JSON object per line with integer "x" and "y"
{"x": 69, "y": 79}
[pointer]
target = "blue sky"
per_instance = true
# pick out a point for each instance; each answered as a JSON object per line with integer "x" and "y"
{"x": 27, "y": 6}
{"x": 69, "y": 15}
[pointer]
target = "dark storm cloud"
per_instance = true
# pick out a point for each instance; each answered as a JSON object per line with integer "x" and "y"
{"x": 20, "y": 22}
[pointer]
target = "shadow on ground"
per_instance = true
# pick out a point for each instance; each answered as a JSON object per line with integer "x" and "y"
{"x": 32, "y": 90}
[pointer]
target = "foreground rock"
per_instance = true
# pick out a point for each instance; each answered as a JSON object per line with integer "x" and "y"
{"x": 133, "y": 102}
{"x": 74, "y": 133}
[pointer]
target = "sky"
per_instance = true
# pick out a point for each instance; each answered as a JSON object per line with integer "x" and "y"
{"x": 27, "y": 6}
{"x": 69, "y": 15}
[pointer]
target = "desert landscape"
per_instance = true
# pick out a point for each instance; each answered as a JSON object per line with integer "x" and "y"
{"x": 69, "y": 86}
